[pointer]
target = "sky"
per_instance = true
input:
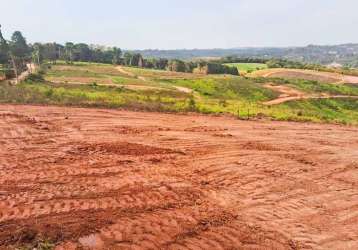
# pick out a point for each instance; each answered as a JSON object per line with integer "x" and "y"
{"x": 183, "y": 24}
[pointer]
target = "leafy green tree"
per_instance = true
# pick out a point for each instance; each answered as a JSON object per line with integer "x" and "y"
{"x": 162, "y": 63}
{"x": 19, "y": 52}
{"x": 69, "y": 47}
{"x": 176, "y": 65}
{"x": 37, "y": 53}
{"x": 4, "y": 50}
{"x": 127, "y": 58}
{"x": 18, "y": 45}
{"x": 82, "y": 52}
{"x": 117, "y": 53}
{"x": 50, "y": 52}
{"x": 4, "y": 56}
{"x": 134, "y": 61}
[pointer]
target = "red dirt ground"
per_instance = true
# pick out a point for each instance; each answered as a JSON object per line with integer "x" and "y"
{"x": 105, "y": 179}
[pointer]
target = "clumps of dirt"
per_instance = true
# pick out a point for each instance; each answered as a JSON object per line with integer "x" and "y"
{"x": 121, "y": 148}
{"x": 259, "y": 146}
{"x": 204, "y": 129}
{"x": 211, "y": 221}
{"x": 54, "y": 228}
{"x": 20, "y": 117}
{"x": 27, "y": 120}
{"x": 223, "y": 135}
{"x": 303, "y": 159}
{"x": 128, "y": 130}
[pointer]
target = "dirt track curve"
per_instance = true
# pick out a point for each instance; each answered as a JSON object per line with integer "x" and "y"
{"x": 288, "y": 94}
{"x": 312, "y": 75}
{"x": 110, "y": 179}
{"x": 130, "y": 74}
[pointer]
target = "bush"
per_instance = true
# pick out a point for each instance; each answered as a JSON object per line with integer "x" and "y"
{"x": 35, "y": 78}
{"x": 192, "y": 104}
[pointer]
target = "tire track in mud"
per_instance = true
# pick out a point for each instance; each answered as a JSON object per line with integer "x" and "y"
{"x": 118, "y": 180}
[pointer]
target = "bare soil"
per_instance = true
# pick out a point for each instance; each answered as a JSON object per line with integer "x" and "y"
{"x": 106, "y": 179}
{"x": 288, "y": 94}
{"x": 306, "y": 75}
{"x": 122, "y": 70}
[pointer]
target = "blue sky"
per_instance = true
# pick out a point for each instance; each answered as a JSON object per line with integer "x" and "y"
{"x": 174, "y": 24}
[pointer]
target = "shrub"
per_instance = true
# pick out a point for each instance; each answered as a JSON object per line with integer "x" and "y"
{"x": 35, "y": 78}
{"x": 192, "y": 104}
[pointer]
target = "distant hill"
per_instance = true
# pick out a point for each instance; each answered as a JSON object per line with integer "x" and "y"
{"x": 345, "y": 54}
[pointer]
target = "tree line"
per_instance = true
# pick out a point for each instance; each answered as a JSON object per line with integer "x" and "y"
{"x": 16, "y": 53}
{"x": 237, "y": 59}
{"x": 284, "y": 63}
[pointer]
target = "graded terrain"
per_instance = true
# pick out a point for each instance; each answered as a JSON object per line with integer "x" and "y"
{"x": 310, "y": 75}
{"x": 108, "y": 86}
{"x": 132, "y": 180}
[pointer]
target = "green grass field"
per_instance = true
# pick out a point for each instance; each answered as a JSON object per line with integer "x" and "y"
{"x": 247, "y": 67}
{"x": 214, "y": 94}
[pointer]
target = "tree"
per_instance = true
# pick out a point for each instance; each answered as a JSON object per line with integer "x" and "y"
{"x": 82, "y": 52}
{"x": 4, "y": 49}
{"x": 162, "y": 63}
{"x": 18, "y": 45}
{"x": 134, "y": 61}
{"x": 127, "y": 58}
{"x": 50, "y": 52}
{"x": 37, "y": 53}
{"x": 141, "y": 62}
{"x": 69, "y": 52}
{"x": 117, "y": 53}
{"x": 19, "y": 53}
{"x": 176, "y": 65}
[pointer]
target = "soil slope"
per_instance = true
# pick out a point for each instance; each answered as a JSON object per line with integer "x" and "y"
{"x": 306, "y": 75}
{"x": 110, "y": 179}
{"x": 288, "y": 94}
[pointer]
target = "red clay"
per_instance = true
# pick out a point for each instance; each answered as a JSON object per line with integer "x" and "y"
{"x": 110, "y": 179}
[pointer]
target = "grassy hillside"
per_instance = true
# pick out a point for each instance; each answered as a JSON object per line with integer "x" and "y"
{"x": 96, "y": 85}
{"x": 247, "y": 67}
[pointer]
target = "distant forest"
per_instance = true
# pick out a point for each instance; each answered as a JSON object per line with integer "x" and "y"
{"x": 345, "y": 54}
{"x": 16, "y": 54}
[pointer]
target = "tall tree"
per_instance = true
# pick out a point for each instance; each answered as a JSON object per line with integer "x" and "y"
{"x": 69, "y": 47}
{"x": 141, "y": 62}
{"x": 82, "y": 52}
{"x": 4, "y": 49}
{"x": 127, "y": 58}
{"x": 37, "y": 53}
{"x": 117, "y": 53}
{"x": 50, "y": 52}
{"x": 19, "y": 52}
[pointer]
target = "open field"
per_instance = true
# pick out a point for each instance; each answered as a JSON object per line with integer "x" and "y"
{"x": 89, "y": 73}
{"x": 325, "y": 77}
{"x": 118, "y": 180}
{"x": 108, "y": 86}
{"x": 245, "y": 67}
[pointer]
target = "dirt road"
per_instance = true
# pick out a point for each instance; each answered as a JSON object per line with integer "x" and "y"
{"x": 288, "y": 94}
{"x": 312, "y": 75}
{"x": 130, "y": 74}
{"x": 110, "y": 179}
